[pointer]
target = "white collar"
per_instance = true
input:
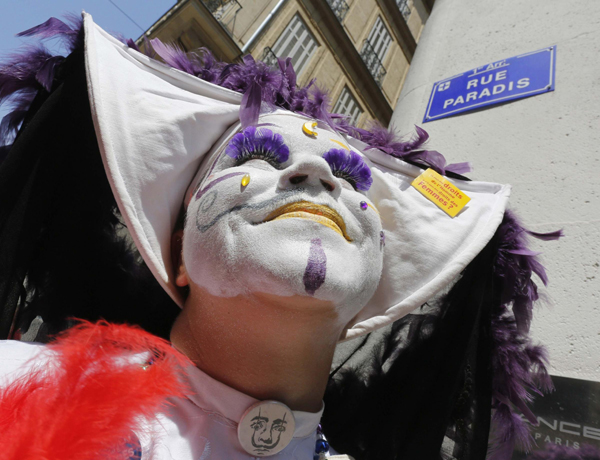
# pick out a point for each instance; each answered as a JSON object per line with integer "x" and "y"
{"x": 213, "y": 396}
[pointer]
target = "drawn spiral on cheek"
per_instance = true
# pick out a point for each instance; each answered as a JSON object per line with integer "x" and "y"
{"x": 205, "y": 204}
{"x": 207, "y": 201}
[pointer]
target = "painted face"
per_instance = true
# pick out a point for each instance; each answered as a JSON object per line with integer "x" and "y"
{"x": 286, "y": 212}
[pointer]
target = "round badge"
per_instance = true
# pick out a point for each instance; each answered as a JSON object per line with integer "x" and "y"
{"x": 266, "y": 428}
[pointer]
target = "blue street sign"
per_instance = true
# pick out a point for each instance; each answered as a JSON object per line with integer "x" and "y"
{"x": 513, "y": 78}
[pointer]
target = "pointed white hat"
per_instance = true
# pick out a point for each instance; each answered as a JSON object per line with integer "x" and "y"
{"x": 155, "y": 125}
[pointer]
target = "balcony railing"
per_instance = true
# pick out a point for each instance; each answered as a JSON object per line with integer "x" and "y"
{"x": 340, "y": 8}
{"x": 404, "y": 8}
{"x": 374, "y": 64}
{"x": 219, "y": 7}
{"x": 269, "y": 57}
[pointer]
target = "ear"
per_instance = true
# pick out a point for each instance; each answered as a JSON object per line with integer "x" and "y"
{"x": 181, "y": 278}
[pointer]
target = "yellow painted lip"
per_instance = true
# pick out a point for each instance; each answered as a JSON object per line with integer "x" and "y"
{"x": 319, "y": 213}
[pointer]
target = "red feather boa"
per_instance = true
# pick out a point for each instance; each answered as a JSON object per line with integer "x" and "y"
{"x": 83, "y": 403}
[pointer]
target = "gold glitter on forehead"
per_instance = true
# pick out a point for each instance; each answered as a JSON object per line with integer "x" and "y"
{"x": 340, "y": 144}
{"x": 373, "y": 208}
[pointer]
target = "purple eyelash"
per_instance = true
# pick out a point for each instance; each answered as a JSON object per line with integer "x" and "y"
{"x": 350, "y": 166}
{"x": 258, "y": 143}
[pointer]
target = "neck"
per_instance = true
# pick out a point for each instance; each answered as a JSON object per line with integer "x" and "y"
{"x": 267, "y": 347}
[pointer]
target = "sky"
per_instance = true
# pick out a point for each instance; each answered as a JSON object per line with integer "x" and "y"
{"x": 19, "y": 15}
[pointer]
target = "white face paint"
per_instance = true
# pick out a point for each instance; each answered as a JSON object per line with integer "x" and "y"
{"x": 230, "y": 249}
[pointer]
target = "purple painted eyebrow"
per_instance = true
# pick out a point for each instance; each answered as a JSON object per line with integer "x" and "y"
{"x": 212, "y": 183}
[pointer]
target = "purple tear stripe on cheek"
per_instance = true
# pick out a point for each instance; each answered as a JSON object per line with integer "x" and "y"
{"x": 316, "y": 268}
{"x": 216, "y": 181}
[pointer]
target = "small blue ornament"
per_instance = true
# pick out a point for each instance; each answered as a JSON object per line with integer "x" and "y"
{"x": 322, "y": 446}
{"x": 363, "y": 205}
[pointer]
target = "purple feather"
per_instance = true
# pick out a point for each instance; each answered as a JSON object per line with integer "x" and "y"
{"x": 19, "y": 83}
{"x": 513, "y": 432}
{"x": 258, "y": 143}
{"x": 70, "y": 34}
{"x": 45, "y": 75}
{"x": 203, "y": 65}
{"x": 175, "y": 57}
{"x": 257, "y": 81}
{"x": 349, "y": 166}
{"x": 417, "y": 140}
{"x": 519, "y": 367}
{"x": 318, "y": 105}
{"x": 49, "y": 29}
{"x": 460, "y": 168}
{"x": 288, "y": 83}
{"x": 412, "y": 150}
{"x": 300, "y": 99}
{"x": 550, "y": 236}
{"x": 131, "y": 44}
{"x": 23, "y": 74}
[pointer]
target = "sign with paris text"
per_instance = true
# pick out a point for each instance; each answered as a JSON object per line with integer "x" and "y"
{"x": 568, "y": 417}
{"x": 517, "y": 77}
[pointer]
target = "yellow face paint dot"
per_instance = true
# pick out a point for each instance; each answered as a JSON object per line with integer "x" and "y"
{"x": 308, "y": 128}
{"x": 245, "y": 180}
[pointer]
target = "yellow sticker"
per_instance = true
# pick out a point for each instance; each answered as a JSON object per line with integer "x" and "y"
{"x": 436, "y": 188}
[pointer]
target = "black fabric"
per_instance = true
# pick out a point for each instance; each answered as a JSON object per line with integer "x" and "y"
{"x": 421, "y": 389}
{"x": 64, "y": 251}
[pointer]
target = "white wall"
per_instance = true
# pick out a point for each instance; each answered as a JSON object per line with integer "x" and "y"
{"x": 546, "y": 146}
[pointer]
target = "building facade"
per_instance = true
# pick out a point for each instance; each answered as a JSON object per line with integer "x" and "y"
{"x": 358, "y": 50}
{"x": 546, "y": 146}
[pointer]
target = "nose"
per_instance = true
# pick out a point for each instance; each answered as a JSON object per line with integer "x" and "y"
{"x": 266, "y": 438}
{"x": 310, "y": 172}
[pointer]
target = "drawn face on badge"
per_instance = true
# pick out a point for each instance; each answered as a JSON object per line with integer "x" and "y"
{"x": 286, "y": 213}
{"x": 267, "y": 433}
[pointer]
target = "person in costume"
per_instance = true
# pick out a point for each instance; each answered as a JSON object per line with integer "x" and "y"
{"x": 281, "y": 231}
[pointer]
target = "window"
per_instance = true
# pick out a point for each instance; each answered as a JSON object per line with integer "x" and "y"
{"x": 380, "y": 39}
{"x": 404, "y": 8}
{"x": 375, "y": 48}
{"x": 347, "y": 105}
{"x": 296, "y": 42}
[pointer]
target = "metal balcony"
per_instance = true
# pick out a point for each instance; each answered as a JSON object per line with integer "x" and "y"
{"x": 340, "y": 8}
{"x": 404, "y": 8}
{"x": 374, "y": 64}
{"x": 219, "y": 7}
{"x": 269, "y": 57}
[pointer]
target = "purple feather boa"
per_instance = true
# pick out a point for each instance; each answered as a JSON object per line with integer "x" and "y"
{"x": 277, "y": 88}
{"x": 519, "y": 366}
{"x": 34, "y": 69}
{"x": 24, "y": 74}
{"x": 27, "y": 72}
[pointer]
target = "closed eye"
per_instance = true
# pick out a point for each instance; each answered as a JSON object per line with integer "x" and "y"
{"x": 349, "y": 166}
{"x": 258, "y": 144}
